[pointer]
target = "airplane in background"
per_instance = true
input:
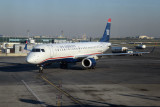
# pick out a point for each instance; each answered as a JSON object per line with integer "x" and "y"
{"x": 86, "y": 52}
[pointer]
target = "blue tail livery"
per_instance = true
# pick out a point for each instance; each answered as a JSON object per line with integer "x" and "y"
{"x": 25, "y": 48}
{"x": 106, "y": 35}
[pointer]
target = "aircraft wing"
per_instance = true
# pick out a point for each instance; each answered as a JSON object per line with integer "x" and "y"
{"x": 108, "y": 54}
{"x": 116, "y": 54}
{"x": 112, "y": 54}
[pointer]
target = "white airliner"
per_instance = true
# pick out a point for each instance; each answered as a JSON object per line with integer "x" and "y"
{"x": 85, "y": 52}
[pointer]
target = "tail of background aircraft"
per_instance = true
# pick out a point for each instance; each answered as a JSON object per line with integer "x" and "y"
{"x": 106, "y": 35}
{"x": 25, "y": 48}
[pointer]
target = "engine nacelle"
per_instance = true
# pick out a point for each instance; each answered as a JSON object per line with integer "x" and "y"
{"x": 89, "y": 62}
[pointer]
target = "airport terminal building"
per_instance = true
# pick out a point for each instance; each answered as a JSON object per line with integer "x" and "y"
{"x": 17, "y": 44}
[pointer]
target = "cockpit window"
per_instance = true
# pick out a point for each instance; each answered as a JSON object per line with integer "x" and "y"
{"x": 42, "y": 50}
{"x": 38, "y": 50}
{"x": 35, "y": 50}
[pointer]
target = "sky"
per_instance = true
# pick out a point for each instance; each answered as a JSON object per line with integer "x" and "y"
{"x": 78, "y": 17}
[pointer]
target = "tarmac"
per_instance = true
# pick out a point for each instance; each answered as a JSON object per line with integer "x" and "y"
{"x": 117, "y": 81}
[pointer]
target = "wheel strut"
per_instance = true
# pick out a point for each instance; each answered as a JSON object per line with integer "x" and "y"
{"x": 40, "y": 68}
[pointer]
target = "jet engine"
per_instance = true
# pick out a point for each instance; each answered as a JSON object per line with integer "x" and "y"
{"x": 89, "y": 63}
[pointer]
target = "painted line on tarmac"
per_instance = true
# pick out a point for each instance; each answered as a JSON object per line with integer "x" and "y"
{"x": 62, "y": 91}
{"x": 31, "y": 91}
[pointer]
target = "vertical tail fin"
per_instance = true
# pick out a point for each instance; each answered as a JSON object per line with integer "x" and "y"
{"x": 25, "y": 48}
{"x": 106, "y": 35}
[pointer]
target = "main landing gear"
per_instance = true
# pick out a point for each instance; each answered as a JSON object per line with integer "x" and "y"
{"x": 63, "y": 65}
{"x": 94, "y": 67}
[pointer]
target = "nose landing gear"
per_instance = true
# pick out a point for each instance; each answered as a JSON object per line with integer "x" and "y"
{"x": 40, "y": 68}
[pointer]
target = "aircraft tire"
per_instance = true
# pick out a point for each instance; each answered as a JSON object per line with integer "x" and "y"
{"x": 40, "y": 69}
{"x": 63, "y": 65}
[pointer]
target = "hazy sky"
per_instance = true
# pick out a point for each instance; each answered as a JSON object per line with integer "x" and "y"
{"x": 76, "y": 17}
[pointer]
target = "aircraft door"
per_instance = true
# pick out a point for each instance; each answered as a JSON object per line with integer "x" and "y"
{"x": 101, "y": 48}
{"x": 51, "y": 51}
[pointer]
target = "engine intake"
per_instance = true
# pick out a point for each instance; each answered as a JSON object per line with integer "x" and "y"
{"x": 89, "y": 62}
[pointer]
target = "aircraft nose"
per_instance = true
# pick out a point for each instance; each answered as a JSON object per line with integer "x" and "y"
{"x": 29, "y": 60}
